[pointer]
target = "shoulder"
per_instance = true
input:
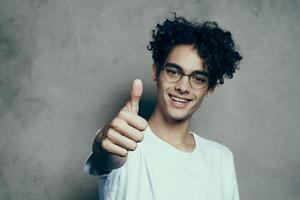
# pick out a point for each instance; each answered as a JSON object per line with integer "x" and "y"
{"x": 213, "y": 148}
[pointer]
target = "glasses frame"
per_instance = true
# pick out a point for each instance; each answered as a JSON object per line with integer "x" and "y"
{"x": 203, "y": 73}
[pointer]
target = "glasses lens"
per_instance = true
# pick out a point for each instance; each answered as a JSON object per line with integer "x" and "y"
{"x": 172, "y": 73}
{"x": 198, "y": 80}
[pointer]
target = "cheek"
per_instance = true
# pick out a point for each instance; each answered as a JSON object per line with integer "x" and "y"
{"x": 163, "y": 87}
{"x": 160, "y": 90}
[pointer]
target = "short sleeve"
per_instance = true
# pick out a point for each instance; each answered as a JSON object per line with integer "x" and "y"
{"x": 235, "y": 190}
{"x": 89, "y": 166}
{"x": 230, "y": 181}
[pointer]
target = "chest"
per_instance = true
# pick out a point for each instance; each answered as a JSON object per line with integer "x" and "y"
{"x": 178, "y": 177}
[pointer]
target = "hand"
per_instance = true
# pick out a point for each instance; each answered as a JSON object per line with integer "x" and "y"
{"x": 125, "y": 130}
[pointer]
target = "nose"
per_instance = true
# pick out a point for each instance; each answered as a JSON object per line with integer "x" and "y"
{"x": 183, "y": 85}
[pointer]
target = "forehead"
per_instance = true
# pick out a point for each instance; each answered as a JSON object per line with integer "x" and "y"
{"x": 187, "y": 57}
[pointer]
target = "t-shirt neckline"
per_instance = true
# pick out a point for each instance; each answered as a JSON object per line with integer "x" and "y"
{"x": 171, "y": 148}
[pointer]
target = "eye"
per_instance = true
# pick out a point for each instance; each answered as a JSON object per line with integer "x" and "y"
{"x": 199, "y": 79}
{"x": 172, "y": 71}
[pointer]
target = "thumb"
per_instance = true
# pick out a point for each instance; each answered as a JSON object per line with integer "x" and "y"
{"x": 136, "y": 93}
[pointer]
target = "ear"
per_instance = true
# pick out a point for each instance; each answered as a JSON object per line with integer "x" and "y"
{"x": 154, "y": 69}
{"x": 210, "y": 91}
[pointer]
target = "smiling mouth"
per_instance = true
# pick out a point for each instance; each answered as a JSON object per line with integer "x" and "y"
{"x": 178, "y": 99}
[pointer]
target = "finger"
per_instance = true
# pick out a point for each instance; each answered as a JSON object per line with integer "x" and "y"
{"x": 133, "y": 120}
{"x": 121, "y": 140}
{"x": 136, "y": 93}
{"x": 114, "y": 149}
{"x": 130, "y": 132}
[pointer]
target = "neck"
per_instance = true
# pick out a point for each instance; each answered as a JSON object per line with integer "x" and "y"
{"x": 171, "y": 131}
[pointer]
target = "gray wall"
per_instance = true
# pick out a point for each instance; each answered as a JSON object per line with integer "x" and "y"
{"x": 66, "y": 68}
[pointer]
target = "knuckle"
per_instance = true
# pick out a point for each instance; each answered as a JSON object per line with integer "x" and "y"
{"x": 133, "y": 146}
{"x": 124, "y": 153}
{"x": 116, "y": 122}
{"x": 105, "y": 144}
{"x": 145, "y": 123}
{"x": 140, "y": 137}
{"x": 122, "y": 114}
{"x": 109, "y": 134}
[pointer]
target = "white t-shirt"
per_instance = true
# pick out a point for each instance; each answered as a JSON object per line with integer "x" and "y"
{"x": 158, "y": 171}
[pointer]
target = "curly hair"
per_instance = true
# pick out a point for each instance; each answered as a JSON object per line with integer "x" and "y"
{"x": 214, "y": 45}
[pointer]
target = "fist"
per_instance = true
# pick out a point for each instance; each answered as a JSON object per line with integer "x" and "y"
{"x": 123, "y": 133}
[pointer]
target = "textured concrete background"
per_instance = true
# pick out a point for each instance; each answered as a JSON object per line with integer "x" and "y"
{"x": 66, "y": 67}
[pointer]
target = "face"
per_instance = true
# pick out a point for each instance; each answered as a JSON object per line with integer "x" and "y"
{"x": 177, "y": 101}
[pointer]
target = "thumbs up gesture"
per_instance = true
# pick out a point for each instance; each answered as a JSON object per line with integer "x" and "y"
{"x": 123, "y": 133}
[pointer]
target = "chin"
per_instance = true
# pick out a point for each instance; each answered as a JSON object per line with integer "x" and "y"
{"x": 178, "y": 117}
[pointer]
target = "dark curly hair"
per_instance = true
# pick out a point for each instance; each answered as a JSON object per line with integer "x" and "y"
{"x": 214, "y": 45}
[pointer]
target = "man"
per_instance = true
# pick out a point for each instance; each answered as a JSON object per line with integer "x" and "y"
{"x": 160, "y": 159}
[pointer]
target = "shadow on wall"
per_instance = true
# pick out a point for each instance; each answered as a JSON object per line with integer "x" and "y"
{"x": 147, "y": 105}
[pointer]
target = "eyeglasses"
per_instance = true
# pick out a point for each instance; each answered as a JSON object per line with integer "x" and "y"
{"x": 173, "y": 73}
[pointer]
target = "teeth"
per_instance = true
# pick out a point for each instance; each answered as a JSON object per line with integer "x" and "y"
{"x": 178, "y": 99}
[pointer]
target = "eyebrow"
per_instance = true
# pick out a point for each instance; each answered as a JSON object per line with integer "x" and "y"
{"x": 204, "y": 73}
